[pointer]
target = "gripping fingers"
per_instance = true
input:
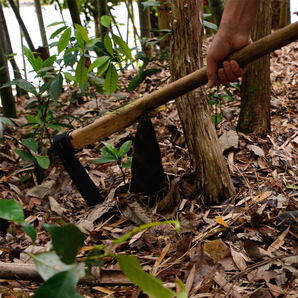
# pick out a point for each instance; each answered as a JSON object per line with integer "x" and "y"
{"x": 230, "y": 72}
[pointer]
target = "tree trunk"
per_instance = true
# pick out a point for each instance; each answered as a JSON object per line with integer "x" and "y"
{"x": 145, "y": 27}
{"x": 283, "y": 14}
{"x": 255, "y": 88}
{"x": 7, "y": 48}
{"x": 41, "y": 25}
{"x": 74, "y": 12}
{"x": 22, "y": 25}
{"x": 213, "y": 182}
{"x": 164, "y": 22}
{"x": 7, "y": 98}
{"x": 102, "y": 10}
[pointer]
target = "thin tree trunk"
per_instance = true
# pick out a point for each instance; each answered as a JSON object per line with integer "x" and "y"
{"x": 164, "y": 22}
{"x": 213, "y": 182}
{"x": 7, "y": 98}
{"x": 283, "y": 13}
{"x": 255, "y": 88}
{"x": 7, "y": 48}
{"x": 97, "y": 26}
{"x": 102, "y": 10}
{"x": 41, "y": 23}
{"x": 22, "y": 25}
{"x": 145, "y": 27}
{"x": 74, "y": 12}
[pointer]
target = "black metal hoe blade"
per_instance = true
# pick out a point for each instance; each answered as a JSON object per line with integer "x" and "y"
{"x": 76, "y": 171}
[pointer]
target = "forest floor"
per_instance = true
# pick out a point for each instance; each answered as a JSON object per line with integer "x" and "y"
{"x": 230, "y": 250}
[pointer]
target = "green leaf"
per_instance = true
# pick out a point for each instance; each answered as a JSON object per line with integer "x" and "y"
{"x": 216, "y": 119}
{"x": 147, "y": 4}
{"x": 70, "y": 59}
{"x": 56, "y": 87}
{"x": 29, "y": 230}
{"x": 123, "y": 47}
{"x": 11, "y": 210}
{"x": 110, "y": 149}
{"x": 124, "y": 148}
{"x": 210, "y": 25}
{"x": 82, "y": 31}
{"x": 135, "y": 82}
{"x": 111, "y": 80}
{"x": 138, "y": 79}
{"x": 38, "y": 64}
{"x": 6, "y": 121}
{"x": 55, "y": 127}
{"x": 98, "y": 62}
{"x": 29, "y": 55}
{"x": 101, "y": 69}
{"x": 105, "y": 21}
{"x": 58, "y": 31}
{"x": 22, "y": 84}
{"x": 24, "y": 154}
{"x": 30, "y": 143}
{"x": 44, "y": 70}
{"x": 24, "y": 178}
{"x": 79, "y": 38}
{"x": 104, "y": 159}
{"x": 81, "y": 71}
{"x": 69, "y": 77}
{"x": 106, "y": 152}
{"x": 108, "y": 45}
{"x": 67, "y": 241}
{"x": 127, "y": 165}
{"x": 183, "y": 293}
{"x": 48, "y": 264}
{"x": 235, "y": 85}
{"x": 64, "y": 40}
{"x": 56, "y": 23}
{"x": 92, "y": 42}
{"x": 43, "y": 161}
{"x": 27, "y": 86}
{"x": 148, "y": 283}
{"x": 50, "y": 61}
{"x": 42, "y": 89}
{"x": 31, "y": 119}
{"x": 62, "y": 284}
{"x": 40, "y": 122}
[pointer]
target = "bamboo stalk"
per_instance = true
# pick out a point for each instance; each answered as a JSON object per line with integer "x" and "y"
{"x": 127, "y": 115}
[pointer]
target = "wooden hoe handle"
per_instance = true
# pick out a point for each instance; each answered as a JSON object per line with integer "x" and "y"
{"x": 127, "y": 115}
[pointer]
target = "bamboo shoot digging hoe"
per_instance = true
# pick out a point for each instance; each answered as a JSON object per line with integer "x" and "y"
{"x": 67, "y": 143}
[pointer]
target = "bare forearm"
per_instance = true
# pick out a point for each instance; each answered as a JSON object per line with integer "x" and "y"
{"x": 233, "y": 34}
{"x": 239, "y": 16}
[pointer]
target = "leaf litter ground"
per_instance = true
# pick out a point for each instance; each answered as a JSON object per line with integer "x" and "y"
{"x": 231, "y": 250}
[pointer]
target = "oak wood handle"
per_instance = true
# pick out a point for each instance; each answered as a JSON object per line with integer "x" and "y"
{"x": 127, "y": 115}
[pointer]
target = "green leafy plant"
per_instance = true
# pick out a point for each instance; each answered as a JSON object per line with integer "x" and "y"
{"x": 216, "y": 99}
{"x": 60, "y": 269}
{"x": 143, "y": 73}
{"x": 30, "y": 153}
{"x": 72, "y": 63}
{"x": 111, "y": 154}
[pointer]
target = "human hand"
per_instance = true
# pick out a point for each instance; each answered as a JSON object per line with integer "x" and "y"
{"x": 223, "y": 45}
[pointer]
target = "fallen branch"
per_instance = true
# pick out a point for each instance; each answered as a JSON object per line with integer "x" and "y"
{"x": 15, "y": 271}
